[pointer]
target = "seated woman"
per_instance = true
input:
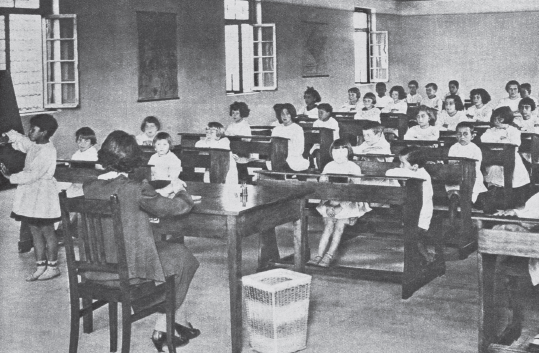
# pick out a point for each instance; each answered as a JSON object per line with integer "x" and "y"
{"x": 147, "y": 259}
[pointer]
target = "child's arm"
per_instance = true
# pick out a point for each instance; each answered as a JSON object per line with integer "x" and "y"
{"x": 175, "y": 167}
{"x": 36, "y": 169}
{"x": 19, "y": 141}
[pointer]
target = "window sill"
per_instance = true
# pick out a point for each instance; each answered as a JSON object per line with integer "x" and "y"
{"x": 242, "y": 94}
{"x": 36, "y": 112}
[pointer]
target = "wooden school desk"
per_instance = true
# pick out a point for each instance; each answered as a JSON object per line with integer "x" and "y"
{"x": 222, "y": 214}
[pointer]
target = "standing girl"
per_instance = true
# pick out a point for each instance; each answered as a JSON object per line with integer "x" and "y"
{"x": 36, "y": 199}
{"x": 337, "y": 214}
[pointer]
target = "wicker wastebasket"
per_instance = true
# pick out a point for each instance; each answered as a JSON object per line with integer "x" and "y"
{"x": 277, "y": 308}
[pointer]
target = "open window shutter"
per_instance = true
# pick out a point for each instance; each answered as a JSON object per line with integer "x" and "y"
{"x": 264, "y": 57}
{"x": 247, "y": 57}
{"x": 378, "y": 56}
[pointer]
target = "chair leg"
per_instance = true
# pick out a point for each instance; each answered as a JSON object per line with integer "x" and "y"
{"x": 170, "y": 312}
{"x": 126, "y": 326}
{"x": 88, "y": 319}
{"x": 75, "y": 326}
{"x": 113, "y": 324}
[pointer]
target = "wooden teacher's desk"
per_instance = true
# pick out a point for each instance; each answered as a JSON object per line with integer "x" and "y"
{"x": 222, "y": 213}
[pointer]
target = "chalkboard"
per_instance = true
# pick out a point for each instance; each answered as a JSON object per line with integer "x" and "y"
{"x": 157, "y": 57}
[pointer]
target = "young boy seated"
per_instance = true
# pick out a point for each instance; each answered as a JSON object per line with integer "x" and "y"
{"x": 413, "y": 97}
{"x": 454, "y": 90}
{"x": 382, "y": 100}
{"x": 374, "y": 142}
{"x": 432, "y": 100}
{"x": 529, "y": 121}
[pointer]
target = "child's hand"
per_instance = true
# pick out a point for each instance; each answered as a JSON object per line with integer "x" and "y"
{"x": 177, "y": 185}
{"x": 5, "y": 172}
{"x": 323, "y": 179}
{"x": 330, "y": 211}
{"x": 508, "y": 213}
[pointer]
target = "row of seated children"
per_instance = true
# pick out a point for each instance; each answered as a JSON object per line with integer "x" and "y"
{"x": 338, "y": 214}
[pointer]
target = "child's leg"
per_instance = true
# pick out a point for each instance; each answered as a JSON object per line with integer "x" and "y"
{"x": 329, "y": 226}
{"x": 52, "y": 253}
{"x": 335, "y": 241}
{"x": 39, "y": 252}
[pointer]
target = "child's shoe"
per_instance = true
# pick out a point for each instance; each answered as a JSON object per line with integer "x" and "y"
{"x": 326, "y": 260}
{"x": 41, "y": 268}
{"x": 315, "y": 261}
{"x": 52, "y": 271}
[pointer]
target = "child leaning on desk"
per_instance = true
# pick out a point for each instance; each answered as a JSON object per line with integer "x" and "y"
{"x": 425, "y": 129}
{"x": 374, "y": 143}
{"x": 337, "y": 214}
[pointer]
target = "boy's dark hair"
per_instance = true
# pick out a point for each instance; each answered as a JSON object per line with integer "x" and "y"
{"x": 86, "y": 133}
{"x": 414, "y": 155}
{"x": 342, "y": 143}
{"x": 356, "y": 91}
{"x": 375, "y": 126}
{"x": 433, "y": 85}
{"x": 414, "y": 82}
{"x": 400, "y": 90}
{"x": 527, "y": 101}
{"x": 314, "y": 93}
{"x": 241, "y": 107}
{"x": 120, "y": 152}
{"x": 464, "y": 125}
{"x": 458, "y": 102}
{"x": 505, "y": 113}
{"x": 290, "y": 109}
{"x": 370, "y": 95}
{"x": 454, "y": 82}
{"x": 326, "y": 107}
{"x": 510, "y": 83}
{"x": 431, "y": 112}
{"x": 45, "y": 122}
{"x": 526, "y": 86}
{"x": 150, "y": 120}
{"x": 220, "y": 128}
{"x": 277, "y": 109}
{"x": 485, "y": 97}
{"x": 380, "y": 84}
{"x": 162, "y": 136}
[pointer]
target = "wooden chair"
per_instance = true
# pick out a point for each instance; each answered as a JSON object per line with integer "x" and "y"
{"x": 95, "y": 216}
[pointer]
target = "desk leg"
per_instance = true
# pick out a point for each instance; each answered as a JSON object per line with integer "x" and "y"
{"x": 269, "y": 251}
{"x": 487, "y": 322}
{"x": 300, "y": 239}
{"x": 234, "y": 283}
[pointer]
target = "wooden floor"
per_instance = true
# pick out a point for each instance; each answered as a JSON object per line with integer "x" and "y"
{"x": 345, "y": 315}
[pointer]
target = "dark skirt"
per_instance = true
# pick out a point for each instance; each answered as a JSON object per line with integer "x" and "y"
{"x": 34, "y": 221}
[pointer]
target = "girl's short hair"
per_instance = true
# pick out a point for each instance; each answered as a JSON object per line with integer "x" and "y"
{"x": 220, "y": 128}
{"x": 413, "y": 82}
{"x": 414, "y": 155}
{"x": 162, "y": 136}
{"x": 510, "y": 83}
{"x": 370, "y": 95}
{"x": 277, "y": 108}
{"x": 356, "y": 91}
{"x": 120, "y": 152}
{"x": 433, "y": 85}
{"x": 45, "y": 122}
{"x": 526, "y": 86}
{"x": 465, "y": 124}
{"x": 431, "y": 112}
{"x": 86, "y": 133}
{"x": 375, "y": 126}
{"x": 458, "y": 101}
{"x": 325, "y": 107}
{"x": 150, "y": 120}
{"x": 485, "y": 97}
{"x": 241, "y": 107}
{"x": 314, "y": 93}
{"x": 454, "y": 82}
{"x": 342, "y": 143}
{"x": 400, "y": 90}
{"x": 290, "y": 109}
{"x": 527, "y": 101}
{"x": 504, "y": 113}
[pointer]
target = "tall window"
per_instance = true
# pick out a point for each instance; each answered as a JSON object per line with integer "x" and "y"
{"x": 249, "y": 50}
{"x": 370, "y": 49}
{"x": 41, "y": 54}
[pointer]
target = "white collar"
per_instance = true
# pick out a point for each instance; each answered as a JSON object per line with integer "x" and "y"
{"x": 110, "y": 175}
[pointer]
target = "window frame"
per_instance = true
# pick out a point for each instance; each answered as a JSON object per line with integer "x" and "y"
{"x": 370, "y": 31}
{"x": 46, "y": 61}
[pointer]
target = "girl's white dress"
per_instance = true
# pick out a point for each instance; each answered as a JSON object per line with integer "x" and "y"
{"x": 508, "y": 102}
{"x": 349, "y": 209}
{"x": 372, "y": 114}
{"x": 495, "y": 172}
{"x": 89, "y": 155}
{"x": 166, "y": 167}
{"x": 312, "y": 114}
{"x": 471, "y": 151}
{"x": 401, "y": 107}
{"x": 223, "y": 143}
{"x": 37, "y": 192}
{"x": 431, "y": 133}
{"x": 347, "y": 107}
{"x": 296, "y": 145}
{"x": 242, "y": 129}
{"x": 144, "y": 140}
{"x": 413, "y": 99}
{"x": 480, "y": 114}
{"x": 451, "y": 121}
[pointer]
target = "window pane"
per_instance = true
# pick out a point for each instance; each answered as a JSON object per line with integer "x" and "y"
{"x": 361, "y": 20}
{"x": 67, "y": 50}
{"x": 267, "y": 34}
{"x": 268, "y": 79}
{"x": 69, "y": 93}
{"x": 68, "y": 71}
{"x": 255, "y": 48}
{"x": 256, "y": 64}
{"x": 236, "y": 10}
{"x": 51, "y": 71}
{"x": 361, "y": 56}
{"x": 267, "y": 64}
{"x": 267, "y": 49}
{"x": 256, "y": 80}
{"x": 2, "y": 43}
{"x": 66, "y": 28}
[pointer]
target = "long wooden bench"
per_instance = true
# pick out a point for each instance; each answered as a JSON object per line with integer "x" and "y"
{"x": 495, "y": 334}
{"x": 408, "y": 199}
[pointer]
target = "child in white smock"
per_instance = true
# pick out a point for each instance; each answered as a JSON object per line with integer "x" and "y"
{"x": 149, "y": 127}
{"x": 310, "y": 110}
{"x": 425, "y": 129}
{"x": 215, "y": 138}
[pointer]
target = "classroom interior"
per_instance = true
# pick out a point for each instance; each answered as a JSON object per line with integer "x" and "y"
{"x": 484, "y": 44}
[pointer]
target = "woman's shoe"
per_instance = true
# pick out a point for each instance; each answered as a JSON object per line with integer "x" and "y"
{"x": 326, "y": 260}
{"x": 315, "y": 261}
{"x": 160, "y": 338}
{"x": 187, "y": 332}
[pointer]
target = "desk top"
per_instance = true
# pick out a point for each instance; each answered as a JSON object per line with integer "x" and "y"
{"x": 225, "y": 199}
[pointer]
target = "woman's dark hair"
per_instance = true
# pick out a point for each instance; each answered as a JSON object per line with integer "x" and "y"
{"x": 400, "y": 90}
{"x": 241, "y": 107}
{"x": 314, "y": 93}
{"x": 163, "y": 136}
{"x": 527, "y": 101}
{"x": 342, "y": 143}
{"x": 290, "y": 109}
{"x": 512, "y": 82}
{"x": 414, "y": 155}
{"x": 45, "y": 122}
{"x": 356, "y": 91}
{"x": 325, "y": 107}
{"x": 120, "y": 152}
{"x": 372, "y": 96}
{"x": 86, "y": 133}
{"x": 505, "y": 113}
{"x": 485, "y": 97}
{"x": 458, "y": 101}
{"x": 277, "y": 109}
{"x": 150, "y": 120}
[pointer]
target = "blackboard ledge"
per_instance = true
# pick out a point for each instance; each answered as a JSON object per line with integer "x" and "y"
{"x": 156, "y": 99}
